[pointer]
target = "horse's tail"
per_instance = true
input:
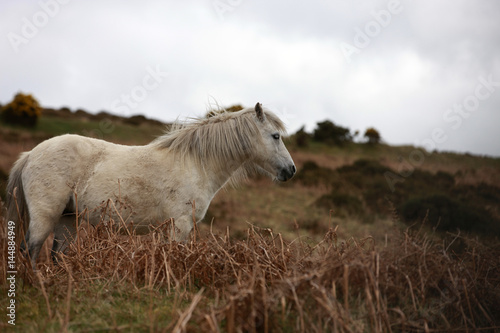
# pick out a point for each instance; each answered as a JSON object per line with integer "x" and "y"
{"x": 17, "y": 208}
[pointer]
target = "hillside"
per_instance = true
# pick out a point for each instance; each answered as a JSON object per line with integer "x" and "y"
{"x": 358, "y": 186}
{"x": 357, "y": 241}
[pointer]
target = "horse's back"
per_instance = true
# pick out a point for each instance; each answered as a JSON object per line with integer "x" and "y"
{"x": 70, "y": 144}
{"x": 61, "y": 161}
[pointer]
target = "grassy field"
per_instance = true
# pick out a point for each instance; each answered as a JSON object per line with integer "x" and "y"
{"x": 334, "y": 250}
{"x": 262, "y": 282}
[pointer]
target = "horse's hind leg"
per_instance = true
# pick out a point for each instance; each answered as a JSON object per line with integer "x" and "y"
{"x": 64, "y": 233}
{"x": 39, "y": 230}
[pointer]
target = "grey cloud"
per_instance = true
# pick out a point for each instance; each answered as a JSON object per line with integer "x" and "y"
{"x": 285, "y": 55}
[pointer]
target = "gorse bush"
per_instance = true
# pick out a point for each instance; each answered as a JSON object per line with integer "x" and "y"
{"x": 24, "y": 110}
{"x": 232, "y": 108}
{"x": 372, "y": 135}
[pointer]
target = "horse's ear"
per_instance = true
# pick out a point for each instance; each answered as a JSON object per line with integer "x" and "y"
{"x": 259, "y": 112}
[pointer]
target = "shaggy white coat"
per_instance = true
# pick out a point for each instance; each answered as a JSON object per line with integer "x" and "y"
{"x": 176, "y": 176}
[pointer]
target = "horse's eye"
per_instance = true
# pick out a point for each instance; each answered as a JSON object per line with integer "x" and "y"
{"x": 276, "y": 136}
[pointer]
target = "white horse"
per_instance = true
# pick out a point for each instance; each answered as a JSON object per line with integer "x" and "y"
{"x": 175, "y": 176}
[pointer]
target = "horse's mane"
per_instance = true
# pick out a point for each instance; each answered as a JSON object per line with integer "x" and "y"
{"x": 212, "y": 143}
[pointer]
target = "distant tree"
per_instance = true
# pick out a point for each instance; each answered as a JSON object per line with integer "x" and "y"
{"x": 24, "y": 110}
{"x": 328, "y": 132}
{"x": 232, "y": 108}
{"x": 302, "y": 137}
{"x": 372, "y": 135}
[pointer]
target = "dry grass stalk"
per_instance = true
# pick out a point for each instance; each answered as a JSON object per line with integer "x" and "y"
{"x": 265, "y": 283}
{"x": 44, "y": 293}
{"x": 180, "y": 326}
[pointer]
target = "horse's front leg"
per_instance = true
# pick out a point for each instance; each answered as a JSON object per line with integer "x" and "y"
{"x": 64, "y": 234}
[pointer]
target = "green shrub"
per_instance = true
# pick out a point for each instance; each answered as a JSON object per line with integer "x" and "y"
{"x": 24, "y": 110}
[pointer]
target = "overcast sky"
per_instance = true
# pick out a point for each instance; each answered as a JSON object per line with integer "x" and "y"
{"x": 421, "y": 72}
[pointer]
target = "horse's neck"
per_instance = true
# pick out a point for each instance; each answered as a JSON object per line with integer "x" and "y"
{"x": 211, "y": 176}
{"x": 218, "y": 178}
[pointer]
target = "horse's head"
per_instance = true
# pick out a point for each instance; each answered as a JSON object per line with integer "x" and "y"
{"x": 272, "y": 155}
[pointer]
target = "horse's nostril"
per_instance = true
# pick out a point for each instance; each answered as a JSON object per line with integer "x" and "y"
{"x": 293, "y": 169}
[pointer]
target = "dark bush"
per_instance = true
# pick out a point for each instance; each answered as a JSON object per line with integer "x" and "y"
{"x": 311, "y": 174}
{"x": 301, "y": 137}
{"x": 444, "y": 180}
{"x": 364, "y": 173}
{"x": 361, "y": 189}
{"x": 487, "y": 194}
{"x": 448, "y": 214}
{"x": 364, "y": 167}
{"x": 330, "y": 133}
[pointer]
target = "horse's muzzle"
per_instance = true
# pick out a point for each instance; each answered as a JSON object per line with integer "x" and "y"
{"x": 286, "y": 173}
